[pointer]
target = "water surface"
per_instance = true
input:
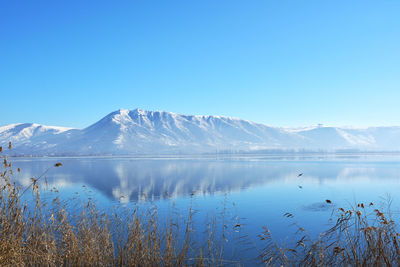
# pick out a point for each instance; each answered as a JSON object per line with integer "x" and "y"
{"x": 259, "y": 190}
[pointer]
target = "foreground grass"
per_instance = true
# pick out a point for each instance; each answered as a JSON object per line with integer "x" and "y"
{"x": 46, "y": 234}
{"x": 361, "y": 236}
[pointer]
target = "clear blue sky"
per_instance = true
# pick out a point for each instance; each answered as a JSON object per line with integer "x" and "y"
{"x": 284, "y": 63}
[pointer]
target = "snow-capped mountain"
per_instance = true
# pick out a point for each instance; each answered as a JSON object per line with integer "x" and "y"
{"x": 155, "y": 132}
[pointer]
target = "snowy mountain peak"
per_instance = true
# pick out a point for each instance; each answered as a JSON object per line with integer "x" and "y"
{"x": 140, "y": 112}
{"x": 158, "y": 132}
{"x": 122, "y": 117}
{"x": 123, "y": 111}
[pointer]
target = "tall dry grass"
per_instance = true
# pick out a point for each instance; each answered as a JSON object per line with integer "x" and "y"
{"x": 39, "y": 233}
{"x": 47, "y": 234}
{"x": 361, "y": 236}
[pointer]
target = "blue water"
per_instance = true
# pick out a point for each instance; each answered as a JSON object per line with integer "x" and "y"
{"x": 255, "y": 191}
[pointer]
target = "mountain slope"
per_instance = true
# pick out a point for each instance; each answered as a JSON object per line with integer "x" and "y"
{"x": 28, "y": 138}
{"x": 155, "y": 132}
{"x": 139, "y": 131}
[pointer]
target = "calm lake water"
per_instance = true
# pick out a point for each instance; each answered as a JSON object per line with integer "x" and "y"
{"x": 258, "y": 190}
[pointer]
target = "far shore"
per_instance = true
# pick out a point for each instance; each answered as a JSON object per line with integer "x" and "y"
{"x": 253, "y": 155}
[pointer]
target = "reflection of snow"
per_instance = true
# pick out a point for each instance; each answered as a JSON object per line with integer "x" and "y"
{"x": 59, "y": 183}
{"x": 123, "y": 191}
{"x": 132, "y": 179}
{"x": 352, "y": 174}
{"x": 59, "y": 180}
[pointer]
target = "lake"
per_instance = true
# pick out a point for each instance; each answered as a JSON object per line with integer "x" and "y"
{"x": 255, "y": 190}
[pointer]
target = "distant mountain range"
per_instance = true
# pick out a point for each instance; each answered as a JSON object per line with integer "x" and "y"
{"x": 133, "y": 132}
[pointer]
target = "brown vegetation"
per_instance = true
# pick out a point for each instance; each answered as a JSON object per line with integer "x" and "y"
{"x": 45, "y": 234}
{"x": 361, "y": 236}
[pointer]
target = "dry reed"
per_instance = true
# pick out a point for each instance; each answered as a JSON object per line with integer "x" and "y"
{"x": 361, "y": 236}
{"x": 39, "y": 234}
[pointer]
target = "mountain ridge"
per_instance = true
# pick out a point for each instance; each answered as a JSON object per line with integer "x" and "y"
{"x": 130, "y": 132}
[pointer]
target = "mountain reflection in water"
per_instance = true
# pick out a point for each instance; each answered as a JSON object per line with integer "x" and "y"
{"x": 133, "y": 179}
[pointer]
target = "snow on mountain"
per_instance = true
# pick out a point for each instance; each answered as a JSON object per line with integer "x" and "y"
{"x": 156, "y": 132}
{"x": 140, "y": 131}
{"x": 29, "y": 137}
